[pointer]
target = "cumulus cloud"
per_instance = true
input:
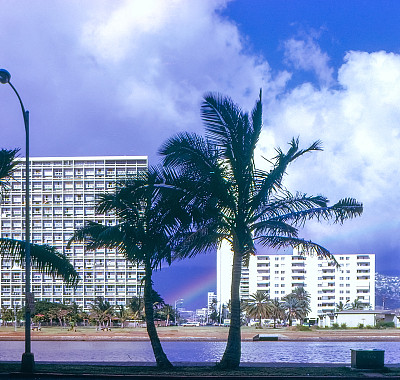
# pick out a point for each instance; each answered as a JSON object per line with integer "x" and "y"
{"x": 119, "y": 77}
{"x": 305, "y": 54}
{"x": 359, "y": 125}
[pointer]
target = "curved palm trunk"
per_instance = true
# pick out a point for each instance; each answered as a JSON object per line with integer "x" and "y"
{"x": 231, "y": 357}
{"x": 161, "y": 358}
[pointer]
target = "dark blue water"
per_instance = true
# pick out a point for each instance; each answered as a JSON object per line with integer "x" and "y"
{"x": 253, "y": 352}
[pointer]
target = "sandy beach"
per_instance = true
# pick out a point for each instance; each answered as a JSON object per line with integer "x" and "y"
{"x": 206, "y": 333}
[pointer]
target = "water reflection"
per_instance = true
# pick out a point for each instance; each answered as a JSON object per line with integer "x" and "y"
{"x": 253, "y": 352}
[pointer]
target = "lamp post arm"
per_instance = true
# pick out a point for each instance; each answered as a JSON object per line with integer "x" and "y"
{"x": 25, "y": 113}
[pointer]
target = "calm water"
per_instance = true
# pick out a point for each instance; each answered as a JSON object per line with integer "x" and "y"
{"x": 267, "y": 352}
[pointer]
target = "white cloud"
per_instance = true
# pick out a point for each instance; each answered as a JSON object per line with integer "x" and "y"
{"x": 118, "y": 77}
{"x": 306, "y": 55}
{"x": 124, "y": 75}
{"x": 359, "y": 125}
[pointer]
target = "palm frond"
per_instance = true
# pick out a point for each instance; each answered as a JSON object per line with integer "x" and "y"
{"x": 286, "y": 203}
{"x": 305, "y": 247}
{"x": 272, "y": 181}
{"x": 202, "y": 240}
{"x": 221, "y": 117}
{"x": 44, "y": 257}
{"x": 96, "y": 235}
{"x": 256, "y": 117}
{"x": 232, "y": 131}
{"x": 276, "y": 227}
{"x": 346, "y": 208}
{"x": 7, "y": 166}
{"x": 187, "y": 150}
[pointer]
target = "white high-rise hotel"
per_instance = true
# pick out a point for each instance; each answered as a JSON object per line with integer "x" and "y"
{"x": 63, "y": 191}
{"x": 278, "y": 274}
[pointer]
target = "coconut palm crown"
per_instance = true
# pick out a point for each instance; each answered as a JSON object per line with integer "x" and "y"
{"x": 144, "y": 234}
{"x": 230, "y": 199}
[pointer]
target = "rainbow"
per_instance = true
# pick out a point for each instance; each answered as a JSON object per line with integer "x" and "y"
{"x": 196, "y": 289}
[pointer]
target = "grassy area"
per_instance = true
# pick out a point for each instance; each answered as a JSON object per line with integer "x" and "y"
{"x": 197, "y": 371}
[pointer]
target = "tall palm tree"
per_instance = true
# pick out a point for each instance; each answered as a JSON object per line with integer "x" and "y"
{"x": 304, "y": 299}
{"x": 101, "y": 311}
{"x": 258, "y": 305}
{"x": 293, "y": 307}
{"x": 230, "y": 199}
{"x": 123, "y": 313}
{"x": 277, "y": 311}
{"x": 144, "y": 235}
{"x": 168, "y": 312}
{"x": 44, "y": 257}
{"x": 137, "y": 307}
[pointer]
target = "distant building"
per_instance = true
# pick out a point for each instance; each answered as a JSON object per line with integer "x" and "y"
{"x": 63, "y": 192}
{"x": 202, "y": 314}
{"x": 355, "y": 318}
{"x": 211, "y": 299}
{"x": 279, "y": 274}
{"x": 186, "y": 315}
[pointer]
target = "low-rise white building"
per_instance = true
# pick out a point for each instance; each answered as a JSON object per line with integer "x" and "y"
{"x": 355, "y": 318}
{"x": 280, "y": 273}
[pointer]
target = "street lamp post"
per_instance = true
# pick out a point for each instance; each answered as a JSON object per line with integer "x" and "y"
{"x": 28, "y": 361}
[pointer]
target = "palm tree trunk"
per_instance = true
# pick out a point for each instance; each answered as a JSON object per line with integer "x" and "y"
{"x": 161, "y": 358}
{"x": 231, "y": 357}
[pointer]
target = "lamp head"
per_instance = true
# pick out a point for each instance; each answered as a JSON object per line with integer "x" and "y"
{"x": 5, "y": 76}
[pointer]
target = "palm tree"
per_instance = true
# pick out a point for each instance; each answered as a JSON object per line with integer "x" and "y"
{"x": 168, "y": 312}
{"x": 304, "y": 299}
{"x": 123, "y": 313}
{"x": 342, "y": 306}
{"x": 232, "y": 200}
{"x": 258, "y": 306}
{"x": 44, "y": 257}
{"x": 137, "y": 307}
{"x": 356, "y": 305}
{"x": 144, "y": 234}
{"x": 277, "y": 311}
{"x": 101, "y": 311}
{"x": 293, "y": 307}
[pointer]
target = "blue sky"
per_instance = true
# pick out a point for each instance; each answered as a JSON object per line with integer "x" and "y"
{"x": 115, "y": 77}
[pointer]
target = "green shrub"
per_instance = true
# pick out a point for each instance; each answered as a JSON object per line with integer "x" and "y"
{"x": 369, "y": 327}
{"x": 343, "y": 326}
{"x": 384, "y": 325}
{"x": 335, "y": 326}
{"x": 360, "y": 326}
{"x": 303, "y": 328}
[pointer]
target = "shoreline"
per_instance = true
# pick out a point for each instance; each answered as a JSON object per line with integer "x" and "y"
{"x": 203, "y": 334}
